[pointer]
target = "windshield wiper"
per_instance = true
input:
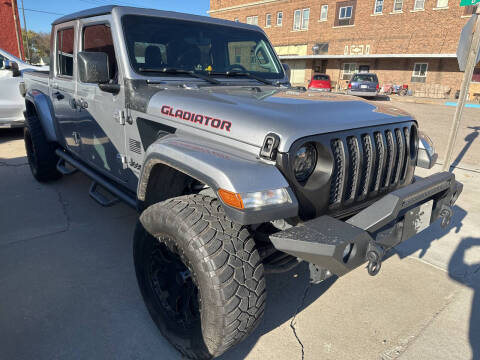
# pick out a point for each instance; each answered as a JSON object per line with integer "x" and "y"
{"x": 181, "y": 71}
{"x": 246, "y": 74}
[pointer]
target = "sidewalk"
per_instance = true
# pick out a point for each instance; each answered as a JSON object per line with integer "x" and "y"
{"x": 431, "y": 101}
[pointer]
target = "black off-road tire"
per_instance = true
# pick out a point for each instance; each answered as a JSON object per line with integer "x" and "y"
{"x": 225, "y": 268}
{"x": 40, "y": 153}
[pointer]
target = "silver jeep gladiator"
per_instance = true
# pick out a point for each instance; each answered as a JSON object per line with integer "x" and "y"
{"x": 192, "y": 121}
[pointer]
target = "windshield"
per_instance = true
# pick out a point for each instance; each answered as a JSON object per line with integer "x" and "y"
{"x": 365, "y": 77}
{"x": 321, "y": 77}
{"x": 159, "y": 43}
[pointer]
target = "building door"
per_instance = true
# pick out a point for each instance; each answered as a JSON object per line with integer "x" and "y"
{"x": 364, "y": 68}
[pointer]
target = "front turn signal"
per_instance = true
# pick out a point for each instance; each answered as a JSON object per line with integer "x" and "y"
{"x": 230, "y": 198}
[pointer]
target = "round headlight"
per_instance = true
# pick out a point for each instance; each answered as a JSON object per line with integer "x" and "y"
{"x": 304, "y": 162}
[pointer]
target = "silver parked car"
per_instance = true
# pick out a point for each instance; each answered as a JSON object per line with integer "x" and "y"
{"x": 12, "y": 104}
{"x": 363, "y": 84}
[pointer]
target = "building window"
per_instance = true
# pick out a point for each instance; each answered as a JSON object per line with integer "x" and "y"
{"x": 419, "y": 5}
{"x": 348, "y": 70}
{"x": 296, "y": 19}
{"x": 268, "y": 20}
{"x": 397, "y": 5}
{"x": 279, "y": 18}
{"x": 345, "y": 12}
{"x": 305, "y": 18}
{"x": 367, "y": 49}
{"x": 252, "y": 20}
{"x": 378, "y": 7}
{"x": 324, "y": 13}
{"x": 301, "y": 19}
{"x": 419, "y": 72}
{"x": 320, "y": 48}
{"x": 442, "y": 3}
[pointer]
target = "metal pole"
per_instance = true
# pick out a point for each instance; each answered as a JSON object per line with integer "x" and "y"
{"x": 26, "y": 33}
{"x": 14, "y": 8}
{"x": 467, "y": 78}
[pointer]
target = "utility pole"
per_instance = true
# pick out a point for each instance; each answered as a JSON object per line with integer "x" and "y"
{"x": 26, "y": 33}
{"x": 14, "y": 9}
{"x": 467, "y": 78}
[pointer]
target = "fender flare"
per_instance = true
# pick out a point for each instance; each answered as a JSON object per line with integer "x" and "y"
{"x": 232, "y": 170}
{"x": 44, "y": 109}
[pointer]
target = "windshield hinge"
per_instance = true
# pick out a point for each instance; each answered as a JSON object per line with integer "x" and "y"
{"x": 119, "y": 117}
{"x": 124, "y": 160}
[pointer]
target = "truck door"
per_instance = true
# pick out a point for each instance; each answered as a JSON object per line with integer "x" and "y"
{"x": 102, "y": 129}
{"x": 62, "y": 89}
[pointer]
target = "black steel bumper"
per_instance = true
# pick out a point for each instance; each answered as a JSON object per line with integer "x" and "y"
{"x": 337, "y": 247}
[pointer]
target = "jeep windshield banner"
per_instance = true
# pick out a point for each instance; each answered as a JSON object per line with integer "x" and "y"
{"x": 197, "y": 118}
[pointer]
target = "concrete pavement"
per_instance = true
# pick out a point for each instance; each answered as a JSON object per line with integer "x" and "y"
{"x": 68, "y": 290}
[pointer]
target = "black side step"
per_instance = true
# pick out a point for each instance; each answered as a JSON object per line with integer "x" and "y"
{"x": 62, "y": 167}
{"x": 106, "y": 184}
{"x": 101, "y": 198}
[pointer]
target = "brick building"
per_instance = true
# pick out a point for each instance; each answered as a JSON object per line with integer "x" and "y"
{"x": 8, "y": 37}
{"x": 404, "y": 41}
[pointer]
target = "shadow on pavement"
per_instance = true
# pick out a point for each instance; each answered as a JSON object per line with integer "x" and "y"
{"x": 469, "y": 275}
{"x": 288, "y": 294}
{"x": 423, "y": 240}
{"x": 470, "y": 138}
{"x": 10, "y": 134}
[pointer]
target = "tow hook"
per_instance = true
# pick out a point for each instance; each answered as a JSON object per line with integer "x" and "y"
{"x": 375, "y": 255}
{"x": 446, "y": 215}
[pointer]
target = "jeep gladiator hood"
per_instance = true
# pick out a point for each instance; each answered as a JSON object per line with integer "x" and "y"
{"x": 248, "y": 114}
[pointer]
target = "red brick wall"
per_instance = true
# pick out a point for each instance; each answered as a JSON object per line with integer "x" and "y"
{"x": 420, "y": 32}
{"x": 8, "y": 39}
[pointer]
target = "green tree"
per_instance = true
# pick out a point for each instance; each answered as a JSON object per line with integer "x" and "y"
{"x": 38, "y": 44}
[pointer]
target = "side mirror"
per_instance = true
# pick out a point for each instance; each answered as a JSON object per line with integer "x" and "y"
{"x": 286, "y": 68}
{"x": 13, "y": 67}
{"x": 93, "y": 67}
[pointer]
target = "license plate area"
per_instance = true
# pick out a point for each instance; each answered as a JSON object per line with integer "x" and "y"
{"x": 417, "y": 219}
{"x": 363, "y": 86}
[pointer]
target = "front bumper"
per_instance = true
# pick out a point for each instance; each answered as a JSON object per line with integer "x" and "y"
{"x": 337, "y": 247}
{"x": 362, "y": 93}
{"x": 7, "y": 124}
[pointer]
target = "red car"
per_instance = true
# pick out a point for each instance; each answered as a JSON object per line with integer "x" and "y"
{"x": 320, "y": 82}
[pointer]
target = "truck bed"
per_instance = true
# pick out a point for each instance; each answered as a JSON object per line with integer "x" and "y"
{"x": 37, "y": 80}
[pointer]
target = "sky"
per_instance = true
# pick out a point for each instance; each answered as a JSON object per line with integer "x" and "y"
{"x": 40, "y": 14}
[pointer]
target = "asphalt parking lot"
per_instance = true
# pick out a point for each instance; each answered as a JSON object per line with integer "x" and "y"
{"x": 68, "y": 289}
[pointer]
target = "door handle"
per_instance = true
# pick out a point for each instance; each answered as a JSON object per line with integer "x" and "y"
{"x": 58, "y": 95}
{"x": 82, "y": 103}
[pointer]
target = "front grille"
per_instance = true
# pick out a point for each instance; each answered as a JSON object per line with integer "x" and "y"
{"x": 368, "y": 163}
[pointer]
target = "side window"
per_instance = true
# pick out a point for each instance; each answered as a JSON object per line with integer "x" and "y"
{"x": 2, "y": 62}
{"x": 98, "y": 38}
{"x": 65, "y": 44}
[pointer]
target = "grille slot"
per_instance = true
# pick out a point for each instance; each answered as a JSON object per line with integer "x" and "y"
{"x": 135, "y": 146}
{"x": 338, "y": 176}
{"x": 367, "y": 164}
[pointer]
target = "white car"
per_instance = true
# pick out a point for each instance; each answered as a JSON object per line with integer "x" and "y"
{"x": 12, "y": 104}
